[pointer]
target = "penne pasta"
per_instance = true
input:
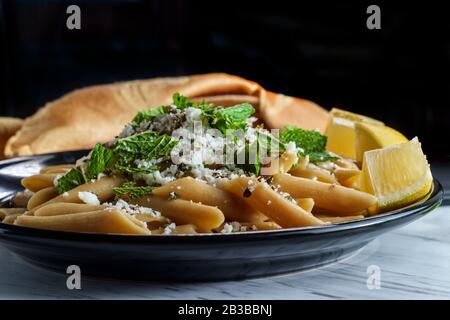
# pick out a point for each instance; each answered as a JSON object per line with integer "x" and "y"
{"x": 185, "y": 229}
{"x": 264, "y": 225}
{"x": 339, "y": 219}
{"x": 4, "y": 212}
{"x": 60, "y": 208}
{"x": 20, "y": 199}
{"x": 282, "y": 211}
{"x": 343, "y": 175}
{"x": 201, "y": 192}
{"x": 41, "y": 197}
{"x": 11, "y": 218}
{"x": 101, "y": 221}
{"x": 102, "y": 188}
{"x": 314, "y": 172}
{"x": 338, "y": 199}
{"x": 306, "y": 203}
{"x": 39, "y": 182}
{"x": 181, "y": 211}
{"x": 59, "y": 168}
{"x": 280, "y": 165}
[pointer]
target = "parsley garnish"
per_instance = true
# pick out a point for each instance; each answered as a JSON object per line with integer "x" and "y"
{"x": 131, "y": 191}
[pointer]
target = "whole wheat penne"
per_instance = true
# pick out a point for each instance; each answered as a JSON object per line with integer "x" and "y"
{"x": 339, "y": 199}
{"x": 306, "y": 203}
{"x": 185, "y": 229}
{"x": 182, "y": 211}
{"x": 284, "y": 212}
{"x": 280, "y": 165}
{"x": 4, "y": 212}
{"x": 38, "y": 182}
{"x": 11, "y": 218}
{"x": 102, "y": 221}
{"x": 312, "y": 171}
{"x": 103, "y": 188}
{"x": 20, "y": 199}
{"x": 152, "y": 221}
{"x": 263, "y": 225}
{"x": 41, "y": 197}
{"x": 201, "y": 192}
{"x": 342, "y": 175}
{"x": 316, "y": 211}
{"x": 60, "y": 208}
{"x": 345, "y": 163}
{"x": 56, "y": 168}
{"x": 159, "y": 230}
{"x": 340, "y": 219}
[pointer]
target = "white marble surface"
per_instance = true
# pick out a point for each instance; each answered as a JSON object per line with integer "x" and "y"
{"x": 414, "y": 263}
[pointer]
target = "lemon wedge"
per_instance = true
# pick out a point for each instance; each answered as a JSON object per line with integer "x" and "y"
{"x": 371, "y": 136}
{"x": 341, "y": 131}
{"x": 397, "y": 175}
{"x": 355, "y": 117}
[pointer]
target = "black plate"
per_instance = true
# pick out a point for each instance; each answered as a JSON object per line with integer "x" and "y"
{"x": 190, "y": 257}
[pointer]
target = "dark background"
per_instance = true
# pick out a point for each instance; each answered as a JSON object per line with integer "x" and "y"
{"x": 321, "y": 51}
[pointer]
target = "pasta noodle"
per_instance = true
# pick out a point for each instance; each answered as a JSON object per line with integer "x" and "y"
{"x": 198, "y": 191}
{"x": 39, "y": 181}
{"x": 338, "y": 199}
{"x": 270, "y": 203}
{"x": 181, "y": 211}
{"x": 340, "y": 219}
{"x": 60, "y": 208}
{"x": 313, "y": 172}
{"x": 60, "y": 168}
{"x": 306, "y": 203}
{"x": 101, "y": 221}
{"x": 102, "y": 188}
{"x": 4, "y": 212}
{"x": 41, "y": 197}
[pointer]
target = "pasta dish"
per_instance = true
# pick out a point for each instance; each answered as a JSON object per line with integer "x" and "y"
{"x": 193, "y": 167}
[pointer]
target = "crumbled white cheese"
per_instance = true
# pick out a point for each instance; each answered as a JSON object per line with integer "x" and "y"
{"x": 82, "y": 160}
{"x": 132, "y": 209}
{"x": 291, "y": 147}
{"x": 169, "y": 228}
{"x": 227, "y": 228}
{"x": 88, "y": 198}
{"x": 65, "y": 194}
{"x": 55, "y": 180}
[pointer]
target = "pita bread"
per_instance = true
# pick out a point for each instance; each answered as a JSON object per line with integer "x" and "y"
{"x": 94, "y": 114}
{"x": 8, "y": 127}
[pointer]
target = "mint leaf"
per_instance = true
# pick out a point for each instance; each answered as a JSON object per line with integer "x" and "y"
{"x": 70, "y": 180}
{"x": 101, "y": 160}
{"x": 131, "y": 191}
{"x": 234, "y": 117}
{"x": 308, "y": 142}
{"x": 143, "y": 146}
{"x": 147, "y": 115}
{"x": 182, "y": 102}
